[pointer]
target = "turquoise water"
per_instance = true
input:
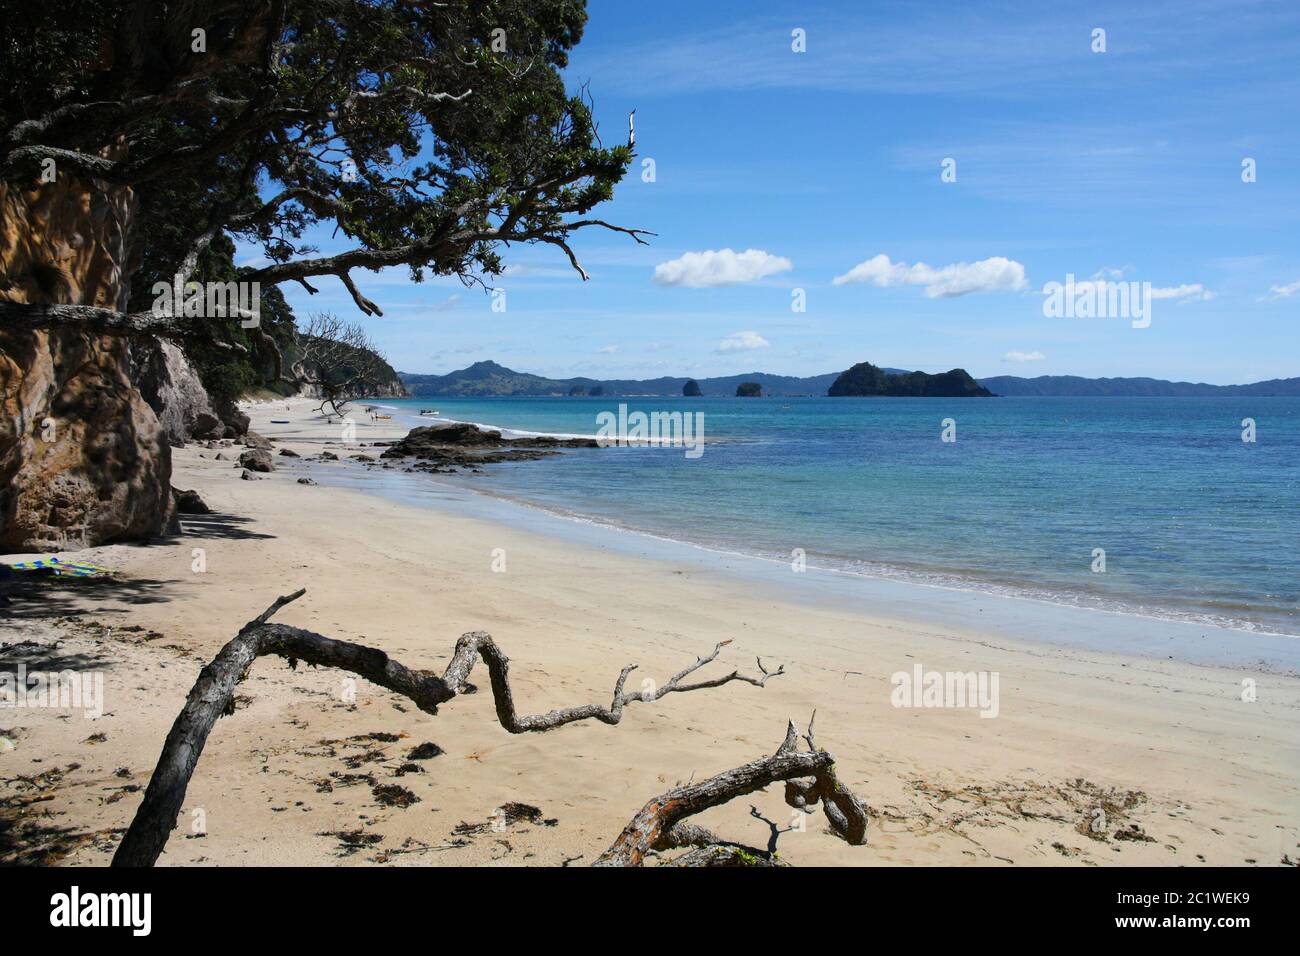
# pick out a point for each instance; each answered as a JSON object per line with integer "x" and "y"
{"x": 1195, "y": 523}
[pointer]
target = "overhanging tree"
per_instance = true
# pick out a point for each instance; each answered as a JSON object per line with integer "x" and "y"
{"x": 137, "y": 133}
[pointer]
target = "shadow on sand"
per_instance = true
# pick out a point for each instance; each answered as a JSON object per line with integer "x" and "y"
{"x": 230, "y": 527}
{"x": 28, "y": 596}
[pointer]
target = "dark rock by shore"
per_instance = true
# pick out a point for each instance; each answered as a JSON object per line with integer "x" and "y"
{"x": 256, "y": 459}
{"x": 189, "y": 503}
{"x": 444, "y": 447}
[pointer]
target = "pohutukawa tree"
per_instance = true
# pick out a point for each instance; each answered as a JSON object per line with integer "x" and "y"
{"x": 138, "y": 132}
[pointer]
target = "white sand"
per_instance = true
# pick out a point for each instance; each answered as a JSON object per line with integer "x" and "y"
{"x": 1218, "y": 776}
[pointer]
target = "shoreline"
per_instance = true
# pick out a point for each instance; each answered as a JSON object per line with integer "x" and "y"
{"x": 1122, "y": 629}
{"x": 1205, "y": 776}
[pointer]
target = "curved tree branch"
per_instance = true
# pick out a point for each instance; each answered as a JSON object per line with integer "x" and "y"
{"x": 213, "y": 696}
{"x": 429, "y": 249}
{"x": 809, "y": 778}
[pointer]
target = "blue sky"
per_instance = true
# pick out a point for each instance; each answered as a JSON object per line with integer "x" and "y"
{"x": 1068, "y": 161}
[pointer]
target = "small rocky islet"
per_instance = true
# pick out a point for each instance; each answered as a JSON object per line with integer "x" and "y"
{"x": 444, "y": 447}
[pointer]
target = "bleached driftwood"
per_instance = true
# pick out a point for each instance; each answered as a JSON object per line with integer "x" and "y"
{"x": 809, "y": 779}
{"x": 213, "y": 696}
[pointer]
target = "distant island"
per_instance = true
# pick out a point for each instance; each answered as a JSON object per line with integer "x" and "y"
{"x": 865, "y": 379}
{"x": 490, "y": 380}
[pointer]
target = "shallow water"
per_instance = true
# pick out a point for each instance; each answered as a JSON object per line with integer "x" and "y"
{"x": 1196, "y": 524}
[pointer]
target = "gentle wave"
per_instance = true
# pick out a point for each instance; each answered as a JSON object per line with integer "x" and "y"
{"x": 934, "y": 578}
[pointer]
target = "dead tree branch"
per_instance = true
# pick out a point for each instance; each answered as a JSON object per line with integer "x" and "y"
{"x": 339, "y": 359}
{"x": 809, "y": 779}
{"x": 213, "y": 696}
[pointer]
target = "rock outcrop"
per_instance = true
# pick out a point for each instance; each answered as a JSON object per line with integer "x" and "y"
{"x": 83, "y": 458}
{"x": 171, "y": 386}
{"x": 444, "y": 447}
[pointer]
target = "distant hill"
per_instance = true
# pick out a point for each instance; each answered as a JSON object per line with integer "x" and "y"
{"x": 483, "y": 379}
{"x": 488, "y": 379}
{"x": 864, "y": 379}
{"x": 1062, "y": 385}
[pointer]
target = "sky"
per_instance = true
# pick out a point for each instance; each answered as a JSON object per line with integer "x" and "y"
{"x": 920, "y": 172}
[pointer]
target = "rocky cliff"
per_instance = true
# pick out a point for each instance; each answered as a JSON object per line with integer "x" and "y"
{"x": 83, "y": 458}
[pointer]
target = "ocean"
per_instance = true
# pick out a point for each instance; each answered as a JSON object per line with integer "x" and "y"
{"x": 1149, "y": 506}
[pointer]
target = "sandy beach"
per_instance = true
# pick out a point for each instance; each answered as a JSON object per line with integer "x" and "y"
{"x": 1093, "y": 758}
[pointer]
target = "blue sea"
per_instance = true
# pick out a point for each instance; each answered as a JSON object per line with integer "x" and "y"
{"x": 1195, "y": 523}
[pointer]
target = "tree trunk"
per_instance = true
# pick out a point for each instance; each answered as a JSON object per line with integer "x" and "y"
{"x": 83, "y": 459}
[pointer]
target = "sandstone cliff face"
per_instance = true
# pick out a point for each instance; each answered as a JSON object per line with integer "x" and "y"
{"x": 83, "y": 458}
{"x": 171, "y": 386}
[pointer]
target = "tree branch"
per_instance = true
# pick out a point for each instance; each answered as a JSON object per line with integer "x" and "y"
{"x": 425, "y": 251}
{"x": 89, "y": 318}
{"x": 213, "y": 696}
{"x": 809, "y": 778}
{"x": 365, "y": 305}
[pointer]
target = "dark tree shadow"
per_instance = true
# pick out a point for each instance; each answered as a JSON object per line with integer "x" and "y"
{"x": 33, "y": 595}
{"x": 38, "y": 656}
{"x": 26, "y": 595}
{"x": 231, "y": 527}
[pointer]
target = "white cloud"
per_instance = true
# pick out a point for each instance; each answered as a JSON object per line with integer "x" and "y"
{"x": 1188, "y": 292}
{"x": 743, "y": 342}
{"x": 607, "y": 349}
{"x": 1023, "y": 357}
{"x": 1195, "y": 292}
{"x": 700, "y": 270}
{"x": 1281, "y": 291}
{"x": 996, "y": 274}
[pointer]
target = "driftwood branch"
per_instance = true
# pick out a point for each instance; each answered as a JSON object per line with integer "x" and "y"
{"x": 809, "y": 779}
{"x": 213, "y": 696}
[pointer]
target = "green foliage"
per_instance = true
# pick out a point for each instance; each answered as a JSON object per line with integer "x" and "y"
{"x": 425, "y": 134}
{"x": 749, "y": 390}
{"x": 422, "y": 132}
{"x": 691, "y": 389}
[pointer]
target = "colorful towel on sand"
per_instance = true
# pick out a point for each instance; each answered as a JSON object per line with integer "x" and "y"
{"x": 63, "y": 569}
